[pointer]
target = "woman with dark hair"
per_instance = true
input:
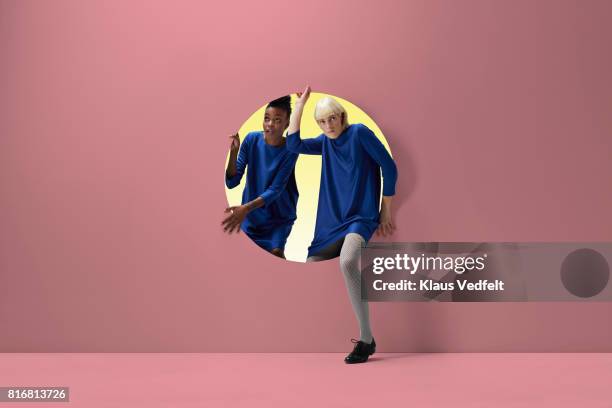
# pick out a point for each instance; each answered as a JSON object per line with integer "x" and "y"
{"x": 349, "y": 209}
{"x": 270, "y": 196}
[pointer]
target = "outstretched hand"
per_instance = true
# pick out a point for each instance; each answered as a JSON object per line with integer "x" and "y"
{"x": 232, "y": 222}
{"x": 303, "y": 96}
{"x": 235, "y": 143}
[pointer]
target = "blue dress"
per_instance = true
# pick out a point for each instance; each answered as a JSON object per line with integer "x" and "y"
{"x": 349, "y": 196}
{"x": 271, "y": 176}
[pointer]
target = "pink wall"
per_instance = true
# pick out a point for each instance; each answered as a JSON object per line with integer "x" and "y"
{"x": 113, "y": 124}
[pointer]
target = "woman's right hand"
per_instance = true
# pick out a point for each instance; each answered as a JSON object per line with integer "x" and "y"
{"x": 302, "y": 97}
{"x": 235, "y": 143}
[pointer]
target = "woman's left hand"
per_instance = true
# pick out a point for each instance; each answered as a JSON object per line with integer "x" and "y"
{"x": 233, "y": 221}
{"x": 386, "y": 226}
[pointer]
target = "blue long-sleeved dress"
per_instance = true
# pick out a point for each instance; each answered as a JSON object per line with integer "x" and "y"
{"x": 349, "y": 196}
{"x": 271, "y": 175}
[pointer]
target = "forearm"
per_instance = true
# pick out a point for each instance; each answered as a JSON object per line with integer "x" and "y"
{"x": 377, "y": 151}
{"x": 253, "y": 204}
{"x": 231, "y": 169}
{"x": 386, "y": 203}
{"x": 389, "y": 170}
{"x": 386, "y": 226}
{"x": 295, "y": 118}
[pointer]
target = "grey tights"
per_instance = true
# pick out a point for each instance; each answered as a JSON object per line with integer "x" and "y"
{"x": 349, "y": 249}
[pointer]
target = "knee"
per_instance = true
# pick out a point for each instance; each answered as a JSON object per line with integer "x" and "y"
{"x": 349, "y": 265}
{"x": 350, "y": 254}
{"x": 278, "y": 252}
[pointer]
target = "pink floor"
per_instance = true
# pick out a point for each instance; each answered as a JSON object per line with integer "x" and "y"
{"x": 316, "y": 379}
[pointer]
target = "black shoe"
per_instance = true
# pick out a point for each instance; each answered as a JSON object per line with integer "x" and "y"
{"x": 361, "y": 352}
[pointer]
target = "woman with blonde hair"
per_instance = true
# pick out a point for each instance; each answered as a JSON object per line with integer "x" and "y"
{"x": 348, "y": 211}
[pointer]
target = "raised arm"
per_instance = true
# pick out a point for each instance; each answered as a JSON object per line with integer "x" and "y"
{"x": 377, "y": 151}
{"x": 237, "y": 161}
{"x": 294, "y": 143}
{"x": 296, "y": 114}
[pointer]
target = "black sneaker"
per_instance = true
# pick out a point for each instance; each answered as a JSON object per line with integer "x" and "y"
{"x": 361, "y": 352}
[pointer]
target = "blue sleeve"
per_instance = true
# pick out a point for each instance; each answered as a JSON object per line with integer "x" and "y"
{"x": 241, "y": 163}
{"x": 381, "y": 156}
{"x": 279, "y": 184}
{"x": 308, "y": 146}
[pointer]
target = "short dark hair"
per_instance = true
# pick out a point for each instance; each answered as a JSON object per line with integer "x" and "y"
{"x": 283, "y": 103}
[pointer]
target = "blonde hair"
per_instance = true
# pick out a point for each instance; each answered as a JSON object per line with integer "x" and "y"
{"x": 329, "y": 105}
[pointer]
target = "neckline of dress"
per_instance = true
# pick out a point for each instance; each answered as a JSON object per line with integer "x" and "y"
{"x": 263, "y": 138}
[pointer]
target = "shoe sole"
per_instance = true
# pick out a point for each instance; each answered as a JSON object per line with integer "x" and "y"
{"x": 361, "y": 362}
